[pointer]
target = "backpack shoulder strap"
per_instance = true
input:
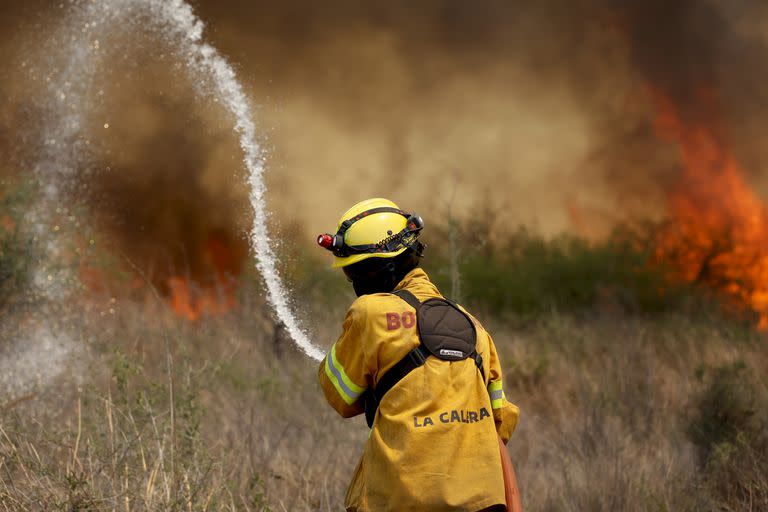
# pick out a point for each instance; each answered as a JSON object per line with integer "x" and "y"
{"x": 410, "y": 362}
{"x": 406, "y": 365}
{"x": 408, "y": 297}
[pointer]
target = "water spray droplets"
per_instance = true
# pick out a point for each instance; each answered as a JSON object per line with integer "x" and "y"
{"x": 176, "y": 23}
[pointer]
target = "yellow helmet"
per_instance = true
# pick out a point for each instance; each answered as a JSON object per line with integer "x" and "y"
{"x": 374, "y": 228}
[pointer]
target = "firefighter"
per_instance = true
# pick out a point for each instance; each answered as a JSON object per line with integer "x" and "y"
{"x": 435, "y": 413}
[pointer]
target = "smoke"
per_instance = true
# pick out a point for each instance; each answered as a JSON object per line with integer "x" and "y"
{"x": 537, "y": 112}
{"x": 709, "y": 58}
{"x": 168, "y": 189}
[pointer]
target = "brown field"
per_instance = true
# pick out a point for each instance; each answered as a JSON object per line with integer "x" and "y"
{"x": 225, "y": 414}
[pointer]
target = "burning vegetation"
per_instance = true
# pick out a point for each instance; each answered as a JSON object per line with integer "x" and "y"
{"x": 216, "y": 293}
{"x": 717, "y": 231}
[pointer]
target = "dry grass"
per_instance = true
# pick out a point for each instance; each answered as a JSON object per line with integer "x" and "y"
{"x": 607, "y": 408}
{"x": 219, "y": 415}
{"x": 225, "y": 415}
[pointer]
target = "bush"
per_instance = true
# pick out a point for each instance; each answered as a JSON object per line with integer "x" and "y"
{"x": 730, "y": 429}
{"x": 528, "y": 274}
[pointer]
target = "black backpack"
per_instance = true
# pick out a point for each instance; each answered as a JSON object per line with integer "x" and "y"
{"x": 444, "y": 330}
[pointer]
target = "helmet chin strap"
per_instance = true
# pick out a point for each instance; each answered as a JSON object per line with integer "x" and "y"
{"x": 417, "y": 247}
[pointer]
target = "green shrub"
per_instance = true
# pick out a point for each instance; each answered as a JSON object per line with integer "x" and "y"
{"x": 730, "y": 429}
{"x": 528, "y": 274}
{"x": 727, "y": 407}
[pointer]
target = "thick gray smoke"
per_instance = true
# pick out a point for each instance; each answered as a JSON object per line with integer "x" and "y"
{"x": 538, "y": 111}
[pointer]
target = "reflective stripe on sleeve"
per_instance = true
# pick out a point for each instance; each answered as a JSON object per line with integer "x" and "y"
{"x": 496, "y": 394}
{"x": 348, "y": 390}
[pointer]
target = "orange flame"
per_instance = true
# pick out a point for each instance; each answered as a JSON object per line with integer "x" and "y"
{"x": 192, "y": 301}
{"x": 718, "y": 234}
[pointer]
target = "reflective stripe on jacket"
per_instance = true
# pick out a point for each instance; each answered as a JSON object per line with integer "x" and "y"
{"x": 433, "y": 443}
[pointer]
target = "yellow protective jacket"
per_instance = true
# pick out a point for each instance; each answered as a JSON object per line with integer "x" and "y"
{"x": 433, "y": 445}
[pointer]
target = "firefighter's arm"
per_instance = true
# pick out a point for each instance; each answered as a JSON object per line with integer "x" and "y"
{"x": 343, "y": 372}
{"x": 505, "y": 414}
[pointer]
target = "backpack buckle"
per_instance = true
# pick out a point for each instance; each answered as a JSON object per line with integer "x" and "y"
{"x": 417, "y": 356}
{"x": 478, "y": 362}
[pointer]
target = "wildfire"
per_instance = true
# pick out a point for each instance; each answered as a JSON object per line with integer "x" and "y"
{"x": 718, "y": 231}
{"x": 192, "y": 300}
{"x": 208, "y": 286}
